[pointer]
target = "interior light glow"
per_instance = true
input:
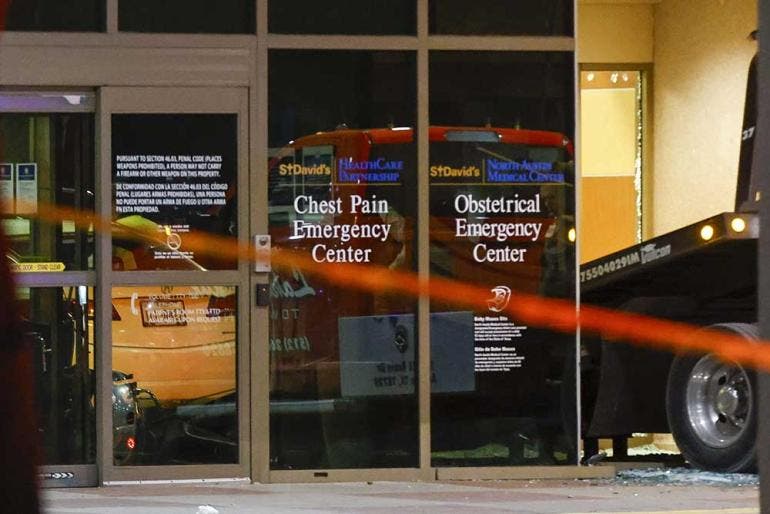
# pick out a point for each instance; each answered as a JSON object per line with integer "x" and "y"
{"x": 571, "y": 235}
{"x": 706, "y": 232}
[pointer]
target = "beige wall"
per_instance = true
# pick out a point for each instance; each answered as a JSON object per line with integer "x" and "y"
{"x": 608, "y": 196}
{"x": 700, "y": 55}
{"x": 610, "y": 32}
{"x": 701, "y": 61}
{"x": 606, "y": 152}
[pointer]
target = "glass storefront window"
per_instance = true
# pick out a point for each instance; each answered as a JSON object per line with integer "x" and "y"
{"x": 501, "y": 17}
{"x": 174, "y": 370}
{"x": 173, "y": 175}
{"x": 342, "y": 361}
{"x": 57, "y": 323}
{"x": 47, "y": 160}
{"x": 187, "y": 16}
{"x": 502, "y": 208}
{"x": 56, "y": 15}
{"x": 369, "y": 17}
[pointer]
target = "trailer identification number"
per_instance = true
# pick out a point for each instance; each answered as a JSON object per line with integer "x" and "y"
{"x": 610, "y": 267}
{"x": 647, "y": 253}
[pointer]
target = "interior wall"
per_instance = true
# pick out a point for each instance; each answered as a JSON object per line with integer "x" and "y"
{"x": 610, "y": 32}
{"x": 701, "y": 55}
{"x": 608, "y": 153}
{"x": 608, "y": 147}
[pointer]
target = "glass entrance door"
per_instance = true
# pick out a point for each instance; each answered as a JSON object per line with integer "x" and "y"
{"x": 46, "y": 173}
{"x": 174, "y": 299}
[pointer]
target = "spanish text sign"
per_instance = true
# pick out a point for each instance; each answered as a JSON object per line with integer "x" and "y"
{"x": 173, "y": 174}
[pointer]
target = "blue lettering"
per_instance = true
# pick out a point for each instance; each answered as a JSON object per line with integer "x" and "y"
{"x": 494, "y": 176}
{"x": 546, "y": 177}
{"x": 380, "y": 164}
{"x": 497, "y": 165}
{"x": 345, "y": 176}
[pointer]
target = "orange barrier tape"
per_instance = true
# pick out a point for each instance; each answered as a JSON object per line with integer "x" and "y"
{"x": 554, "y": 314}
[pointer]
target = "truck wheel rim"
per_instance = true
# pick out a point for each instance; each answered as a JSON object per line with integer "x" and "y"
{"x": 719, "y": 401}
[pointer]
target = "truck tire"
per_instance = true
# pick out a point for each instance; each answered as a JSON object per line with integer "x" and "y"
{"x": 712, "y": 409}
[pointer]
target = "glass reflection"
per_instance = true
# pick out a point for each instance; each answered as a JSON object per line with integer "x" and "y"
{"x": 55, "y": 323}
{"x": 174, "y": 362}
{"x": 502, "y": 205}
{"x": 47, "y": 160}
{"x": 342, "y": 361}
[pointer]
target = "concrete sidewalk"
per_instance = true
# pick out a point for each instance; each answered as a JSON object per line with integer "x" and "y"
{"x": 521, "y": 497}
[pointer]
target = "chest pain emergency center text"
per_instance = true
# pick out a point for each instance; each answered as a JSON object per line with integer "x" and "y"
{"x": 373, "y": 207}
